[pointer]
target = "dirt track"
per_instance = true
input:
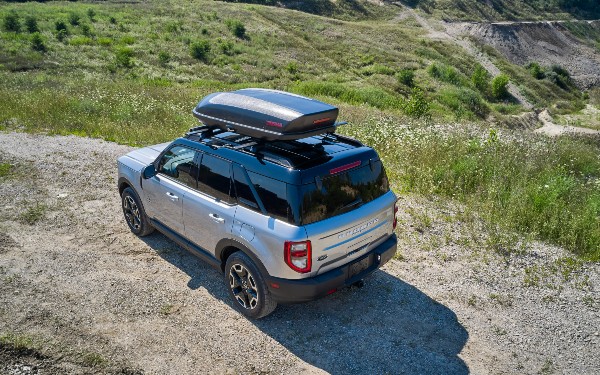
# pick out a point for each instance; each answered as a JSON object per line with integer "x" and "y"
{"x": 93, "y": 298}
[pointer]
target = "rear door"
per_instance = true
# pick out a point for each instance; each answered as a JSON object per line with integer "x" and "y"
{"x": 208, "y": 212}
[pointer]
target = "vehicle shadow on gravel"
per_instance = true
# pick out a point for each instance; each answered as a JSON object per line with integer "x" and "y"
{"x": 388, "y": 326}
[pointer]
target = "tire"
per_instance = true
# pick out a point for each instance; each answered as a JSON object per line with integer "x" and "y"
{"x": 247, "y": 287}
{"x": 134, "y": 213}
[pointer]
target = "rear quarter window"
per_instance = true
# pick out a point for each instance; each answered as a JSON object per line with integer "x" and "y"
{"x": 273, "y": 195}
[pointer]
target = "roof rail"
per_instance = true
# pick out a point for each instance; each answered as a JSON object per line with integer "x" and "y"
{"x": 287, "y": 153}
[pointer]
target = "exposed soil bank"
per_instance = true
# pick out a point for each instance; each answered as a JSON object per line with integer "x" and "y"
{"x": 548, "y": 43}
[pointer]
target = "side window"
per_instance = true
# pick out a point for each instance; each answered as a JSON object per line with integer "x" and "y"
{"x": 273, "y": 195}
{"x": 178, "y": 163}
{"x": 215, "y": 178}
{"x": 244, "y": 193}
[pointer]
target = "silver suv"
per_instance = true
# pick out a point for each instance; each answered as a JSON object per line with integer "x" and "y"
{"x": 288, "y": 217}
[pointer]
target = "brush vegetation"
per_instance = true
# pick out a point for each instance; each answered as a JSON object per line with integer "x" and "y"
{"x": 132, "y": 73}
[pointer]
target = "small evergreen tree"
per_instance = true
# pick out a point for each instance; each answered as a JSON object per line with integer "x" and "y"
{"x": 12, "y": 22}
{"x": 237, "y": 28}
{"x": 37, "y": 43}
{"x": 200, "y": 49}
{"x": 31, "y": 24}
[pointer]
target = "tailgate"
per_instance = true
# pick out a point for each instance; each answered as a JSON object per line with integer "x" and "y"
{"x": 343, "y": 238}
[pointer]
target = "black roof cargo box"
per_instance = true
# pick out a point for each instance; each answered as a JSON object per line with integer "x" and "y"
{"x": 267, "y": 114}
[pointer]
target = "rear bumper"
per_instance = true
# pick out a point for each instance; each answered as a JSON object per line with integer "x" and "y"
{"x": 290, "y": 291}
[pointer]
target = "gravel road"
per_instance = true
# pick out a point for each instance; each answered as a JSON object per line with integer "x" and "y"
{"x": 80, "y": 294}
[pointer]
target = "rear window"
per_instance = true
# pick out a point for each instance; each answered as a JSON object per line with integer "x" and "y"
{"x": 342, "y": 192}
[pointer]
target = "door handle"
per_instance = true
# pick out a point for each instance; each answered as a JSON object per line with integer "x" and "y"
{"x": 172, "y": 196}
{"x": 216, "y": 218}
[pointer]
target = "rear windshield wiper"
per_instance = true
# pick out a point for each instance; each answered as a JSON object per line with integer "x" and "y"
{"x": 357, "y": 202}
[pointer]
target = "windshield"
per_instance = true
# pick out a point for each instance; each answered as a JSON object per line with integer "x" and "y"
{"x": 342, "y": 192}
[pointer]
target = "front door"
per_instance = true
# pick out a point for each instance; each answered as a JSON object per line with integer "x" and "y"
{"x": 165, "y": 192}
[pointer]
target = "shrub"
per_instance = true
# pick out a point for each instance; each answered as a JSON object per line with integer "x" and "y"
{"x": 12, "y": 22}
{"x": 91, "y": 13}
{"x": 500, "y": 86}
{"x": 164, "y": 58}
{"x": 292, "y": 67}
{"x": 173, "y": 27}
{"x": 444, "y": 73}
{"x": 464, "y": 102}
{"x": 480, "y": 79}
{"x": 127, "y": 39}
{"x": 61, "y": 25}
{"x": 86, "y": 30}
{"x": 81, "y": 40}
{"x": 31, "y": 24}
{"x": 237, "y": 28}
{"x": 62, "y": 35}
{"x": 417, "y": 105}
{"x": 124, "y": 56}
{"x": 200, "y": 49}
{"x": 104, "y": 41}
{"x": 74, "y": 19}
{"x": 406, "y": 77}
{"x": 226, "y": 47}
{"x": 37, "y": 43}
{"x": 536, "y": 70}
{"x": 560, "y": 77}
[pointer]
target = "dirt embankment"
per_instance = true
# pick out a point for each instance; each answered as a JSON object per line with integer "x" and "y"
{"x": 548, "y": 43}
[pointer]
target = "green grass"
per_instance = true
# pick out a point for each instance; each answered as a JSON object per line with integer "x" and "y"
{"x": 92, "y": 359}
{"x": 5, "y": 169}
{"x": 45, "y": 349}
{"x": 17, "y": 342}
{"x": 341, "y": 9}
{"x": 33, "y": 214}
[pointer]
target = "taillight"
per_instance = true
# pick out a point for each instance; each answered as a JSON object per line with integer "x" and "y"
{"x": 395, "y": 217}
{"x": 298, "y": 255}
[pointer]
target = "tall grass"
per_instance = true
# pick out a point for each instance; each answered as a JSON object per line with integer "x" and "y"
{"x": 549, "y": 188}
{"x": 370, "y": 95}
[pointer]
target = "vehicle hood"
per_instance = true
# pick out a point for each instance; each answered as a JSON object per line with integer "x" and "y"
{"x": 147, "y": 155}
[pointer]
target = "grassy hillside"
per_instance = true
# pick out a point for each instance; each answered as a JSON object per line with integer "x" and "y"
{"x": 131, "y": 73}
{"x": 214, "y": 45}
{"x": 511, "y": 10}
{"x": 341, "y": 9}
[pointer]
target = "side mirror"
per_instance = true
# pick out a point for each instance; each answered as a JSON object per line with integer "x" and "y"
{"x": 148, "y": 172}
